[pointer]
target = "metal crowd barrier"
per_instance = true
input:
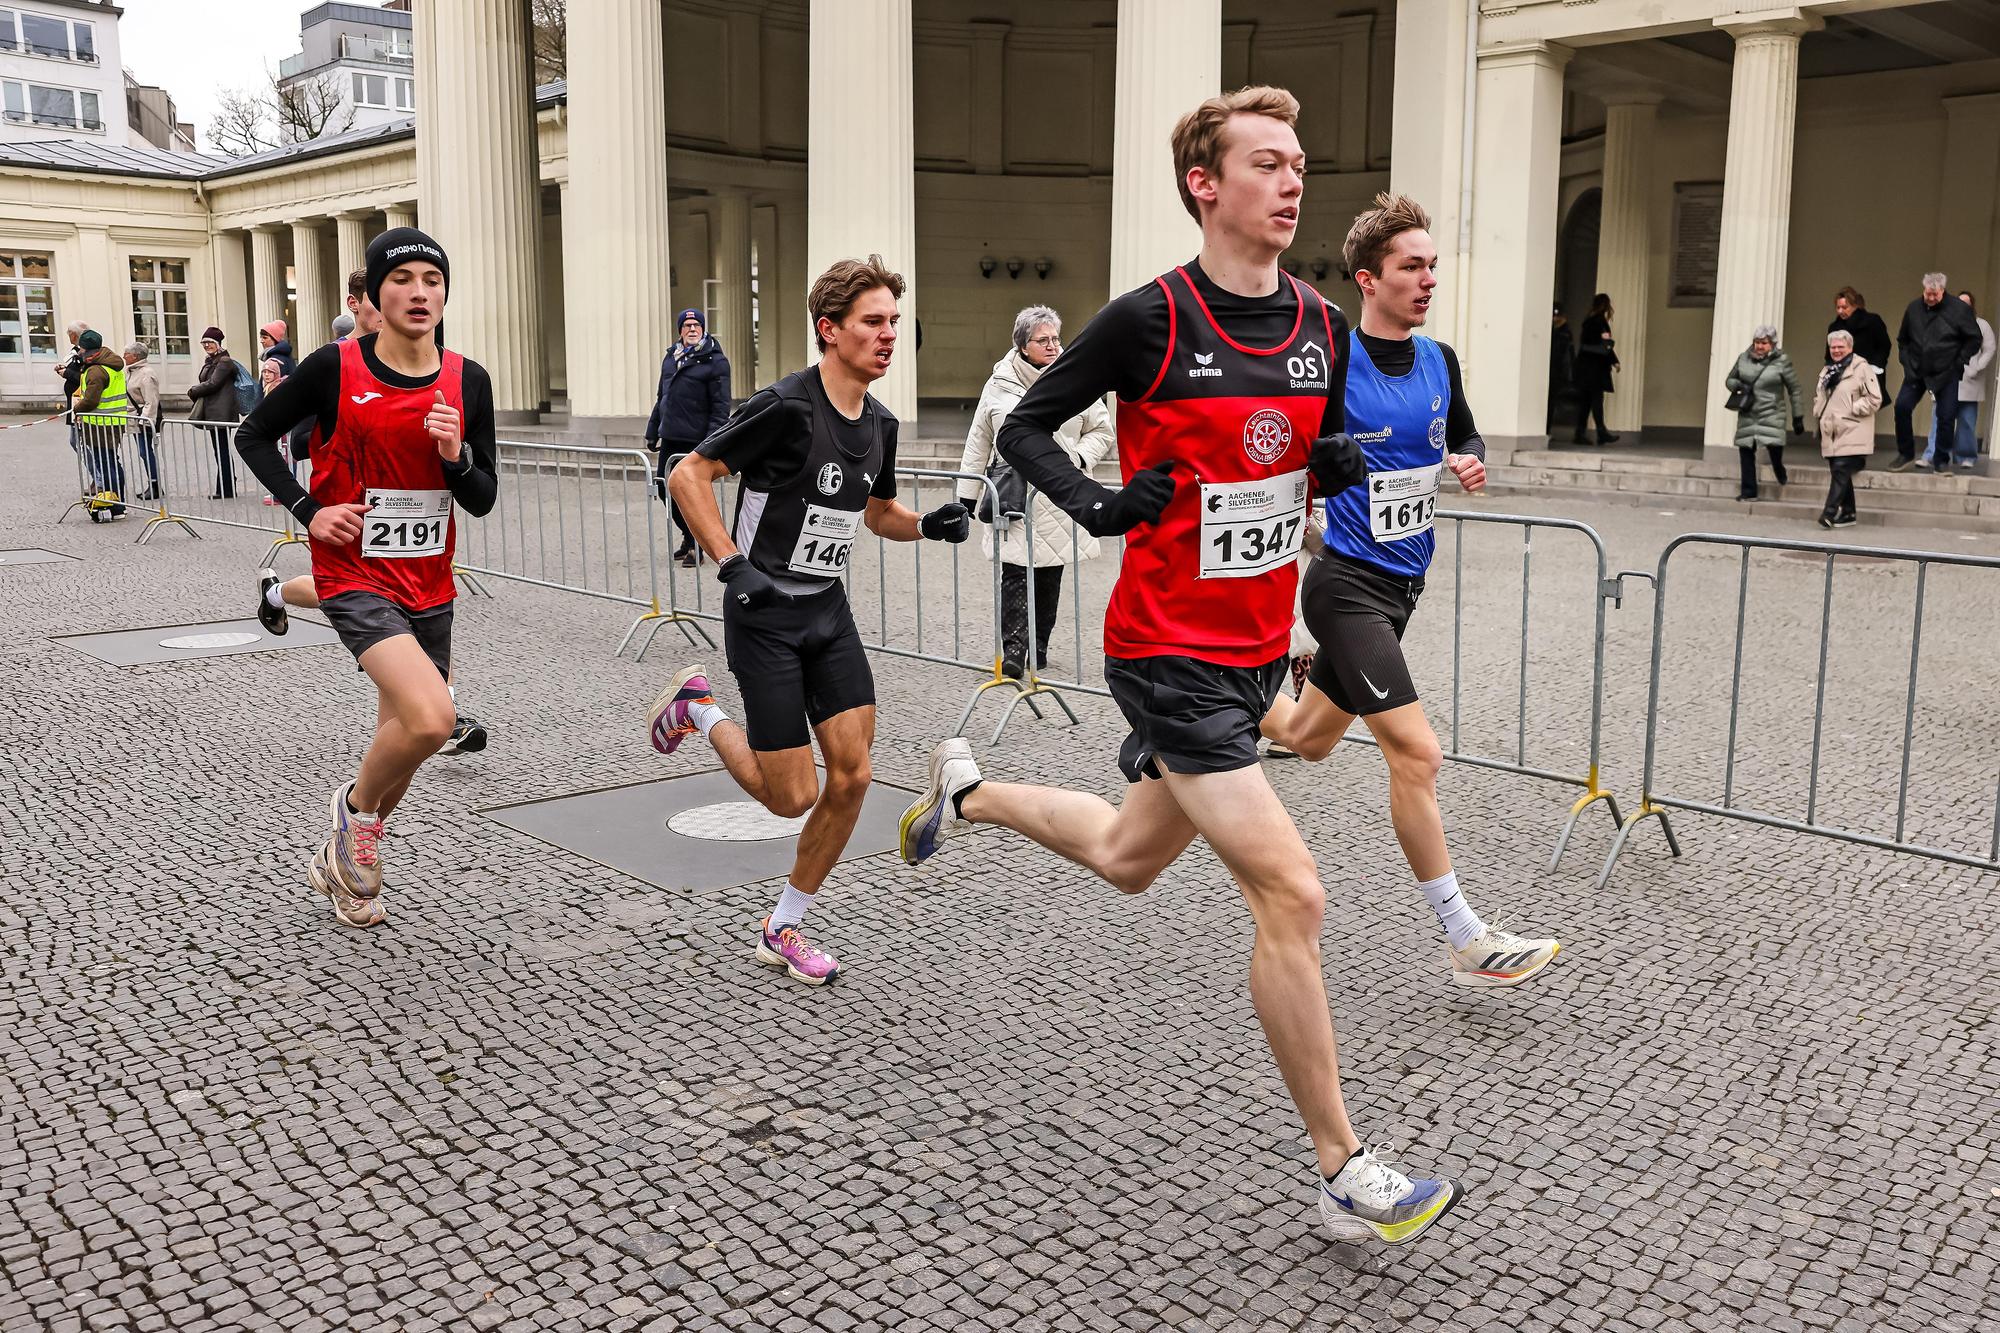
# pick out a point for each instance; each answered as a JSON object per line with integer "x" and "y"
{"x": 1654, "y": 803}
{"x": 1606, "y": 589}
{"x": 123, "y": 467}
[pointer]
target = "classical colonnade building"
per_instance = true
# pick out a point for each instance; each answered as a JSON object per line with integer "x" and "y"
{"x": 1710, "y": 164}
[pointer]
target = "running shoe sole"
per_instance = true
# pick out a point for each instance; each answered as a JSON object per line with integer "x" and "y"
{"x": 917, "y": 835}
{"x": 666, "y": 701}
{"x": 1496, "y": 980}
{"x": 1349, "y": 1228}
{"x": 273, "y": 618}
{"x": 770, "y": 957}
{"x": 322, "y": 882}
{"x": 472, "y": 742}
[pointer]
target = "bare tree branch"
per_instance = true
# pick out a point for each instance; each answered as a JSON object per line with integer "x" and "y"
{"x": 309, "y": 108}
{"x": 550, "y": 19}
{"x": 242, "y": 124}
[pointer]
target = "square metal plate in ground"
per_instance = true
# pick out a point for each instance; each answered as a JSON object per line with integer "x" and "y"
{"x": 174, "y": 643}
{"x": 696, "y": 832}
{"x": 33, "y": 555}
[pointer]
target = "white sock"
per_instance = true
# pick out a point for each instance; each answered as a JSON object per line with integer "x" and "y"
{"x": 706, "y": 716}
{"x": 1460, "y": 922}
{"x": 275, "y": 595}
{"x": 791, "y": 908}
{"x": 452, "y": 690}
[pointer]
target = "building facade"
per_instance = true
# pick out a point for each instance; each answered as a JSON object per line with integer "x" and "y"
{"x": 362, "y": 56}
{"x": 60, "y": 77}
{"x": 1003, "y": 152}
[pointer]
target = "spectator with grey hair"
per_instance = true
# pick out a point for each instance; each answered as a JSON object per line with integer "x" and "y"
{"x": 1844, "y": 404}
{"x": 142, "y": 387}
{"x": 1086, "y": 438}
{"x": 72, "y": 373}
{"x": 1937, "y": 341}
{"x": 1765, "y": 392}
{"x": 1964, "y": 454}
{"x": 343, "y": 326}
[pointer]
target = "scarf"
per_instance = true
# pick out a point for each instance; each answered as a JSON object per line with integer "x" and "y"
{"x": 1026, "y": 371}
{"x": 1831, "y": 375}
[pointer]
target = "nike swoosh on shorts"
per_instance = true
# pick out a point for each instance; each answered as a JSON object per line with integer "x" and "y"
{"x": 1379, "y": 694}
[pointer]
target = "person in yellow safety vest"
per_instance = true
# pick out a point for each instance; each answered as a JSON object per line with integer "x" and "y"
{"x": 102, "y": 408}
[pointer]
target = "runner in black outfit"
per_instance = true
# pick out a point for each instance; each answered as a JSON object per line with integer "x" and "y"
{"x": 817, "y": 455}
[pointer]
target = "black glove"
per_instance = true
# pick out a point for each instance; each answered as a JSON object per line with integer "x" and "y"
{"x": 750, "y": 586}
{"x": 1798, "y": 425}
{"x": 1143, "y": 500}
{"x": 652, "y": 446}
{"x": 947, "y": 523}
{"x": 1336, "y": 463}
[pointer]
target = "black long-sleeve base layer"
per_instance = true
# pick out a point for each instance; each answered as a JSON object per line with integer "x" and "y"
{"x": 1120, "y": 351}
{"x": 312, "y": 394}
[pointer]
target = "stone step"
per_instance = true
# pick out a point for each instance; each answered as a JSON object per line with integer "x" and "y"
{"x": 1795, "y": 502}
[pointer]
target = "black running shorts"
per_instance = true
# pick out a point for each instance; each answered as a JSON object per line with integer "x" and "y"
{"x": 796, "y": 664}
{"x": 1191, "y": 716}
{"x": 1358, "y": 614}
{"x": 364, "y": 619}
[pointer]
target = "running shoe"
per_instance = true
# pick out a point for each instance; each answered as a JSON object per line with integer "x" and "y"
{"x": 668, "y": 719}
{"x": 1825, "y": 521}
{"x": 349, "y": 907}
{"x": 468, "y": 736}
{"x": 273, "y": 618}
{"x": 786, "y": 947}
{"x": 1497, "y": 958}
{"x": 355, "y": 854}
{"x": 933, "y": 817}
{"x": 1367, "y": 1199}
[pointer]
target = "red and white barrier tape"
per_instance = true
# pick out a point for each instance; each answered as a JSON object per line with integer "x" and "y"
{"x": 37, "y": 422}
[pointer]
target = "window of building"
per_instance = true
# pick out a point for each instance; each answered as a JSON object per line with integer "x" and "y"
{"x": 371, "y": 90}
{"x": 47, "y": 35}
{"x": 27, "y": 307}
{"x": 56, "y": 108}
{"x": 160, "y": 305}
{"x": 406, "y": 95}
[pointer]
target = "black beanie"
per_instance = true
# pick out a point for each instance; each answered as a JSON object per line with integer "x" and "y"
{"x": 396, "y": 247}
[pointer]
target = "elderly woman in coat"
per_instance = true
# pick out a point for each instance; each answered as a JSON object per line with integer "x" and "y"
{"x": 1769, "y": 398}
{"x": 1845, "y": 402}
{"x": 1087, "y": 438}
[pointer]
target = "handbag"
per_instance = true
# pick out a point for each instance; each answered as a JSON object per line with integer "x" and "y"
{"x": 1739, "y": 399}
{"x": 1011, "y": 486}
{"x": 1734, "y": 402}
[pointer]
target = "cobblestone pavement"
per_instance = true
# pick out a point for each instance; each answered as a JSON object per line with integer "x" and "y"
{"x": 1758, "y": 1091}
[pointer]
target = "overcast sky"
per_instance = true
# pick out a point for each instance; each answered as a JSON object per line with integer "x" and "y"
{"x": 195, "y": 49}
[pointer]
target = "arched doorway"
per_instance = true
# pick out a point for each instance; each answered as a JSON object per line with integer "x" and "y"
{"x": 1576, "y": 283}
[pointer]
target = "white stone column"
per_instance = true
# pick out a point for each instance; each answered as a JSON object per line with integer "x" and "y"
{"x": 732, "y": 298}
{"x": 1517, "y": 167}
{"x": 315, "y": 310}
{"x": 1756, "y": 202}
{"x": 1427, "y": 127}
{"x": 479, "y": 185}
{"x": 267, "y": 270}
{"x": 1169, "y": 58}
{"x": 861, "y": 171}
{"x": 231, "y": 311}
{"x": 764, "y": 237}
{"x": 1625, "y": 248}
{"x": 399, "y": 215}
{"x": 615, "y": 272}
{"x": 351, "y": 235}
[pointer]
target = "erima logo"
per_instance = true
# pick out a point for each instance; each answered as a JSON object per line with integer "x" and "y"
{"x": 830, "y": 479}
{"x": 1204, "y": 366}
{"x": 360, "y": 399}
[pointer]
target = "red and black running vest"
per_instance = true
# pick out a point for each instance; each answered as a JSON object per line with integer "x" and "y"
{"x": 379, "y": 447}
{"x": 1214, "y": 579}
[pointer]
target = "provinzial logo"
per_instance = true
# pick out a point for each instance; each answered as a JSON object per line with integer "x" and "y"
{"x": 1266, "y": 435}
{"x": 830, "y": 479}
{"x": 1204, "y": 366}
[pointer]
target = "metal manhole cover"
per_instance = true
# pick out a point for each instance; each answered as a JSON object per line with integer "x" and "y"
{"x": 733, "y": 821}
{"x": 197, "y": 642}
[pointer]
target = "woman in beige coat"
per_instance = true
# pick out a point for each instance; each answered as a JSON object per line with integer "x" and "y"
{"x": 1845, "y": 403}
{"x": 1087, "y": 437}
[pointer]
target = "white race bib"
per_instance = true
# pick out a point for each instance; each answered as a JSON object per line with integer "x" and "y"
{"x": 1400, "y": 504}
{"x": 825, "y": 540}
{"x": 401, "y": 524}
{"x": 1248, "y": 527}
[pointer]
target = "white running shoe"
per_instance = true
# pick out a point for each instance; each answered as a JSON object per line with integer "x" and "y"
{"x": 1367, "y": 1199}
{"x": 1498, "y": 958}
{"x": 933, "y": 817}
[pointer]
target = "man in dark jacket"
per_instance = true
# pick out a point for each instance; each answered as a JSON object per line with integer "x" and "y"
{"x": 1852, "y": 316}
{"x": 693, "y": 400}
{"x": 1936, "y": 340}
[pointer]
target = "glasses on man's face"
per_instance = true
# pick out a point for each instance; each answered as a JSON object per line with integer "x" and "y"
{"x": 1050, "y": 343}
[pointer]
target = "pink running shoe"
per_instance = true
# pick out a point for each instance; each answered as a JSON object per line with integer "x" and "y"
{"x": 787, "y": 948}
{"x": 668, "y": 717}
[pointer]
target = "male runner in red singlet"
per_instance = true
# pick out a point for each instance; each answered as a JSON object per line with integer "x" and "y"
{"x": 275, "y": 596}
{"x": 1229, "y": 382}
{"x": 404, "y": 430}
